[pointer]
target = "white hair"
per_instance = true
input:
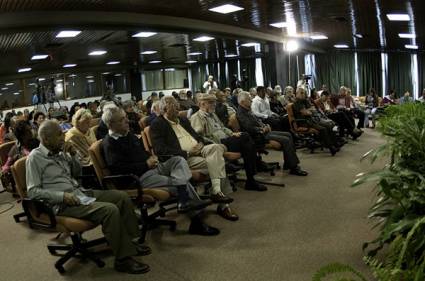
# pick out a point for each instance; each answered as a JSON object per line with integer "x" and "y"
{"x": 108, "y": 114}
{"x": 163, "y": 103}
{"x": 243, "y": 96}
{"x": 47, "y": 129}
{"x": 80, "y": 115}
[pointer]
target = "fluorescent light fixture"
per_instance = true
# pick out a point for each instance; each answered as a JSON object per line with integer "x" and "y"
{"x": 90, "y": 81}
{"x": 16, "y": 93}
{"x": 113, "y": 62}
{"x": 26, "y": 69}
{"x": 414, "y": 47}
{"x": 69, "y": 65}
{"x": 279, "y": 24}
{"x": 319, "y": 37}
{"x": 191, "y": 61}
{"x": 292, "y": 45}
{"x": 170, "y": 69}
{"x": 398, "y": 17}
{"x": 203, "y": 38}
{"x": 407, "y": 35}
{"x": 226, "y": 9}
{"x": 72, "y": 75}
{"x": 4, "y": 89}
{"x": 59, "y": 81}
{"x": 105, "y": 73}
{"x": 341, "y": 46}
{"x": 231, "y": 56}
{"x": 144, "y": 34}
{"x": 68, "y": 33}
{"x": 90, "y": 77}
{"x": 148, "y": 52}
{"x": 194, "y": 54}
{"x": 358, "y": 35}
{"x": 118, "y": 74}
{"x": 251, "y": 44}
{"x": 10, "y": 84}
{"x": 39, "y": 57}
{"x": 41, "y": 79}
{"x": 155, "y": 61}
{"x": 97, "y": 53}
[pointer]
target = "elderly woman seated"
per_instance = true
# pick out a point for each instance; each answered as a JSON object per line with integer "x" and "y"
{"x": 81, "y": 138}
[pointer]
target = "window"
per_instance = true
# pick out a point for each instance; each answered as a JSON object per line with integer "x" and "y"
{"x": 174, "y": 78}
{"x": 168, "y": 78}
{"x": 153, "y": 79}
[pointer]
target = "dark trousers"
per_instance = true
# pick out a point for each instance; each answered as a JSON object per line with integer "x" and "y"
{"x": 343, "y": 122}
{"x": 246, "y": 146}
{"x": 355, "y": 112}
{"x": 278, "y": 123}
{"x": 290, "y": 157}
{"x": 325, "y": 133}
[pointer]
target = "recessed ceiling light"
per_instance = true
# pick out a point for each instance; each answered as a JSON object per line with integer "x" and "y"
{"x": 118, "y": 74}
{"x": 407, "y": 35}
{"x": 97, "y": 53}
{"x": 69, "y": 65}
{"x": 155, "y": 61}
{"x": 59, "y": 81}
{"x": 17, "y": 93}
{"x": 251, "y": 44}
{"x": 203, "y": 38}
{"x": 226, "y": 9}
{"x": 358, "y": 35}
{"x": 194, "y": 54}
{"x": 279, "y": 24}
{"x": 113, "y": 62}
{"x": 72, "y": 75}
{"x": 341, "y": 46}
{"x": 4, "y": 89}
{"x": 144, "y": 34}
{"x": 10, "y": 84}
{"x": 398, "y": 17}
{"x": 191, "y": 61}
{"x": 68, "y": 33}
{"x": 170, "y": 69}
{"x": 90, "y": 77}
{"x": 41, "y": 79}
{"x": 26, "y": 69}
{"x": 39, "y": 57}
{"x": 90, "y": 81}
{"x": 411, "y": 47}
{"x": 231, "y": 56}
{"x": 148, "y": 52}
{"x": 291, "y": 46}
{"x": 319, "y": 37}
{"x": 105, "y": 73}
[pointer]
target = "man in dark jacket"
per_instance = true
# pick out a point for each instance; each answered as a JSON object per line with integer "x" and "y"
{"x": 124, "y": 153}
{"x": 262, "y": 133}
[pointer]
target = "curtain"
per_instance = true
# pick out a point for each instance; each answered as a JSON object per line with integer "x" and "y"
{"x": 248, "y": 73}
{"x": 199, "y": 76}
{"x": 400, "y": 73}
{"x": 421, "y": 72}
{"x": 335, "y": 69}
{"x": 370, "y": 73}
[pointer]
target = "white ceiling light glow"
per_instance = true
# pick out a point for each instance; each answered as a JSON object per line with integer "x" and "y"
{"x": 194, "y": 54}
{"x": 191, "y": 61}
{"x": 341, "y": 46}
{"x": 407, "y": 35}
{"x": 413, "y": 47}
{"x": 226, "y": 9}
{"x": 203, "y": 39}
{"x": 319, "y": 37}
{"x": 26, "y": 69}
{"x": 251, "y": 44}
{"x": 155, "y": 61}
{"x": 10, "y": 84}
{"x": 291, "y": 46}
{"x": 144, "y": 34}
{"x": 113, "y": 62}
{"x": 68, "y": 33}
{"x": 231, "y": 56}
{"x": 69, "y": 65}
{"x": 97, "y": 53}
{"x": 281, "y": 24}
{"x": 398, "y": 17}
{"x": 148, "y": 52}
{"x": 39, "y": 57}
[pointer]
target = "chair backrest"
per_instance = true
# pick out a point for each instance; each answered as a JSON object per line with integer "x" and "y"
{"x": 96, "y": 156}
{"x": 19, "y": 175}
{"x": 234, "y": 123}
{"x": 4, "y": 151}
{"x": 143, "y": 123}
{"x": 291, "y": 117}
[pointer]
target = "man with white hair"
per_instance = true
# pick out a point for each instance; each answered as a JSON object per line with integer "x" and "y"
{"x": 51, "y": 170}
{"x": 124, "y": 153}
{"x": 209, "y": 84}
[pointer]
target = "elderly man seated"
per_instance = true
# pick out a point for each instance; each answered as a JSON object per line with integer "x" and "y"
{"x": 262, "y": 133}
{"x": 51, "y": 170}
{"x": 345, "y": 102}
{"x": 173, "y": 135}
{"x": 125, "y": 153}
{"x": 223, "y": 109}
{"x": 206, "y": 123}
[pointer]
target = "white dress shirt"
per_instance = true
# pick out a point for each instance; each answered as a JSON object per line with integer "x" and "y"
{"x": 261, "y": 107}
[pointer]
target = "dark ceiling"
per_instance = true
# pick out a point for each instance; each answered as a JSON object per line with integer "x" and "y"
{"x": 22, "y": 34}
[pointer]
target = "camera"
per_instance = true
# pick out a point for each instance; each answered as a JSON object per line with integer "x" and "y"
{"x": 306, "y": 77}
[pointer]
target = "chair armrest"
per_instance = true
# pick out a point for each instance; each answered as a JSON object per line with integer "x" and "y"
{"x": 39, "y": 213}
{"x": 128, "y": 181}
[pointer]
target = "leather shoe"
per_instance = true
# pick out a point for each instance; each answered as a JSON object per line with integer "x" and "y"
{"x": 221, "y": 198}
{"x": 227, "y": 214}
{"x": 197, "y": 227}
{"x": 192, "y": 205}
{"x": 333, "y": 150}
{"x": 298, "y": 172}
{"x": 129, "y": 265}
{"x": 255, "y": 186}
{"x": 143, "y": 250}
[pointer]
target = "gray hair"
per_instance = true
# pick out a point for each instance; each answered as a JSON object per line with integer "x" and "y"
{"x": 127, "y": 104}
{"x": 108, "y": 114}
{"x": 288, "y": 89}
{"x": 163, "y": 103}
{"x": 47, "y": 129}
{"x": 155, "y": 104}
{"x": 81, "y": 114}
{"x": 243, "y": 96}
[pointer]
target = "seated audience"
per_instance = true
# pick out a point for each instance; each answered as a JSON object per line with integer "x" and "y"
{"x": 151, "y": 99}
{"x": 206, "y": 123}
{"x": 422, "y": 97}
{"x": 184, "y": 101}
{"x": 288, "y": 96}
{"x": 6, "y": 131}
{"x": 124, "y": 153}
{"x": 25, "y": 143}
{"x": 39, "y": 118}
{"x": 346, "y": 102}
{"x": 173, "y": 136}
{"x": 372, "y": 104}
{"x": 275, "y": 104}
{"x": 133, "y": 117}
{"x": 262, "y": 133}
{"x": 261, "y": 108}
{"x": 51, "y": 170}
{"x": 406, "y": 98}
{"x": 305, "y": 113}
{"x": 102, "y": 130}
{"x": 223, "y": 109}
{"x": 391, "y": 99}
